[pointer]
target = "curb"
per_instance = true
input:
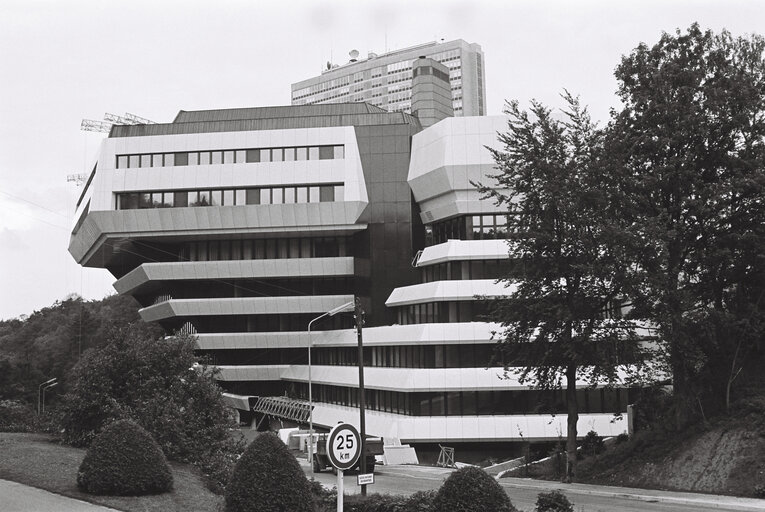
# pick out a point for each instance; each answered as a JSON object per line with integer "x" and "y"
{"x": 723, "y": 502}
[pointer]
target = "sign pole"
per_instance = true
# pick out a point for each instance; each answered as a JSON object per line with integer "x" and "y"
{"x": 343, "y": 449}
{"x": 340, "y": 490}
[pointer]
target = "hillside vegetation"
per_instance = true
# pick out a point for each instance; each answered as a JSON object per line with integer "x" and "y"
{"x": 50, "y": 341}
{"x": 725, "y": 455}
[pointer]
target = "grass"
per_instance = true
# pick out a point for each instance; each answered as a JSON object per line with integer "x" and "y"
{"x": 38, "y": 460}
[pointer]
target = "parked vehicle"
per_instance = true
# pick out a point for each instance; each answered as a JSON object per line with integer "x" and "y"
{"x": 320, "y": 460}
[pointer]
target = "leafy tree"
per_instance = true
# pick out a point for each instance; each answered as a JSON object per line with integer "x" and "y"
{"x": 154, "y": 382}
{"x": 569, "y": 258}
{"x": 690, "y": 136}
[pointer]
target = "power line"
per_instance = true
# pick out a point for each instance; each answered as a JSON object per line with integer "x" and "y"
{"x": 35, "y": 218}
{"x": 34, "y": 204}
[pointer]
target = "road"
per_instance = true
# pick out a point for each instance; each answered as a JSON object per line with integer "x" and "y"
{"x": 523, "y": 493}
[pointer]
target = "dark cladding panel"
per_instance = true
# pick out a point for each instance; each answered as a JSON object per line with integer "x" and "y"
{"x": 384, "y": 152}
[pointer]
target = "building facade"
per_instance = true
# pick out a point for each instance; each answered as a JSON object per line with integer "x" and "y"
{"x": 243, "y": 225}
{"x": 386, "y": 80}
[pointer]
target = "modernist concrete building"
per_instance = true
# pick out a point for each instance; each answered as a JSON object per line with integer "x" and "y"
{"x": 242, "y": 225}
{"x": 386, "y": 80}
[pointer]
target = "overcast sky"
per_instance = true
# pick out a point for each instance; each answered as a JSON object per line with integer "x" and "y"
{"x": 62, "y": 61}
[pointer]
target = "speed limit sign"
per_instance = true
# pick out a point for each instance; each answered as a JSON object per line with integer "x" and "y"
{"x": 343, "y": 446}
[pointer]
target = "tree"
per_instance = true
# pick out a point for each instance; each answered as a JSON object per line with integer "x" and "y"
{"x": 154, "y": 382}
{"x": 690, "y": 139}
{"x": 569, "y": 262}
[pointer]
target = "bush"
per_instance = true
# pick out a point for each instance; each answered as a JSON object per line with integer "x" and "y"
{"x": 217, "y": 468}
{"x": 124, "y": 460}
{"x": 374, "y": 503}
{"x": 268, "y": 478}
{"x": 471, "y": 489}
{"x": 622, "y": 438}
{"x": 592, "y": 444}
{"x": 325, "y": 500}
{"x": 553, "y": 501}
{"x": 759, "y": 491}
{"x": 16, "y": 416}
{"x": 421, "y": 501}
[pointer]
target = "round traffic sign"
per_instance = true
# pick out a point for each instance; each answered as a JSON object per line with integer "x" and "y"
{"x": 343, "y": 446}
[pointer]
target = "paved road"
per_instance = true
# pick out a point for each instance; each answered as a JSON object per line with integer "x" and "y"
{"x": 523, "y": 493}
{"x": 15, "y": 497}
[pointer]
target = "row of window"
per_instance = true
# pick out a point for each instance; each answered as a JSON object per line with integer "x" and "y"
{"x": 430, "y": 70}
{"x": 267, "y": 287}
{"x": 465, "y": 355}
{"x": 396, "y": 356}
{"x": 443, "y": 312}
{"x": 230, "y": 197}
{"x": 266, "y": 248}
{"x": 472, "y": 403}
{"x": 231, "y": 156}
{"x": 458, "y": 270}
{"x": 260, "y": 323}
{"x": 467, "y": 227}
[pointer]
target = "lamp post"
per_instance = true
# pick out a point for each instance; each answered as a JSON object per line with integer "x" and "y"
{"x": 47, "y": 383}
{"x": 359, "y": 315}
{"x": 43, "y": 394}
{"x": 348, "y": 306}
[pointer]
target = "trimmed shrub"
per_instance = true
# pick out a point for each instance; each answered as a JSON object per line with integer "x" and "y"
{"x": 553, "y": 501}
{"x": 471, "y": 489}
{"x": 268, "y": 478}
{"x": 124, "y": 460}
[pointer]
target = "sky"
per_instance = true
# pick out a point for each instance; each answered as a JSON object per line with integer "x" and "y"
{"x": 62, "y": 61}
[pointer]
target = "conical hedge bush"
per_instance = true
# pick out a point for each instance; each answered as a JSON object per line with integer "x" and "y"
{"x": 124, "y": 460}
{"x": 268, "y": 478}
{"x": 471, "y": 489}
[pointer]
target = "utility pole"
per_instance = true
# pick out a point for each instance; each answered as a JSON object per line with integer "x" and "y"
{"x": 359, "y": 316}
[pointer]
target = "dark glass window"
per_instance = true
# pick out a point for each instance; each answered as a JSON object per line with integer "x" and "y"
{"x": 326, "y": 152}
{"x": 181, "y": 159}
{"x": 253, "y": 155}
{"x": 326, "y": 193}
{"x": 253, "y": 196}
{"x": 144, "y": 200}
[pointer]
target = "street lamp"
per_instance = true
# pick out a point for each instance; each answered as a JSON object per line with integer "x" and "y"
{"x": 43, "y": 394}
{"x": 47, "y": 384}
{"x": 348, "y": 306}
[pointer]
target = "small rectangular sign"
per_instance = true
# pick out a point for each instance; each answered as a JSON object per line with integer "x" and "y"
{"x": 365, "y": 479}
